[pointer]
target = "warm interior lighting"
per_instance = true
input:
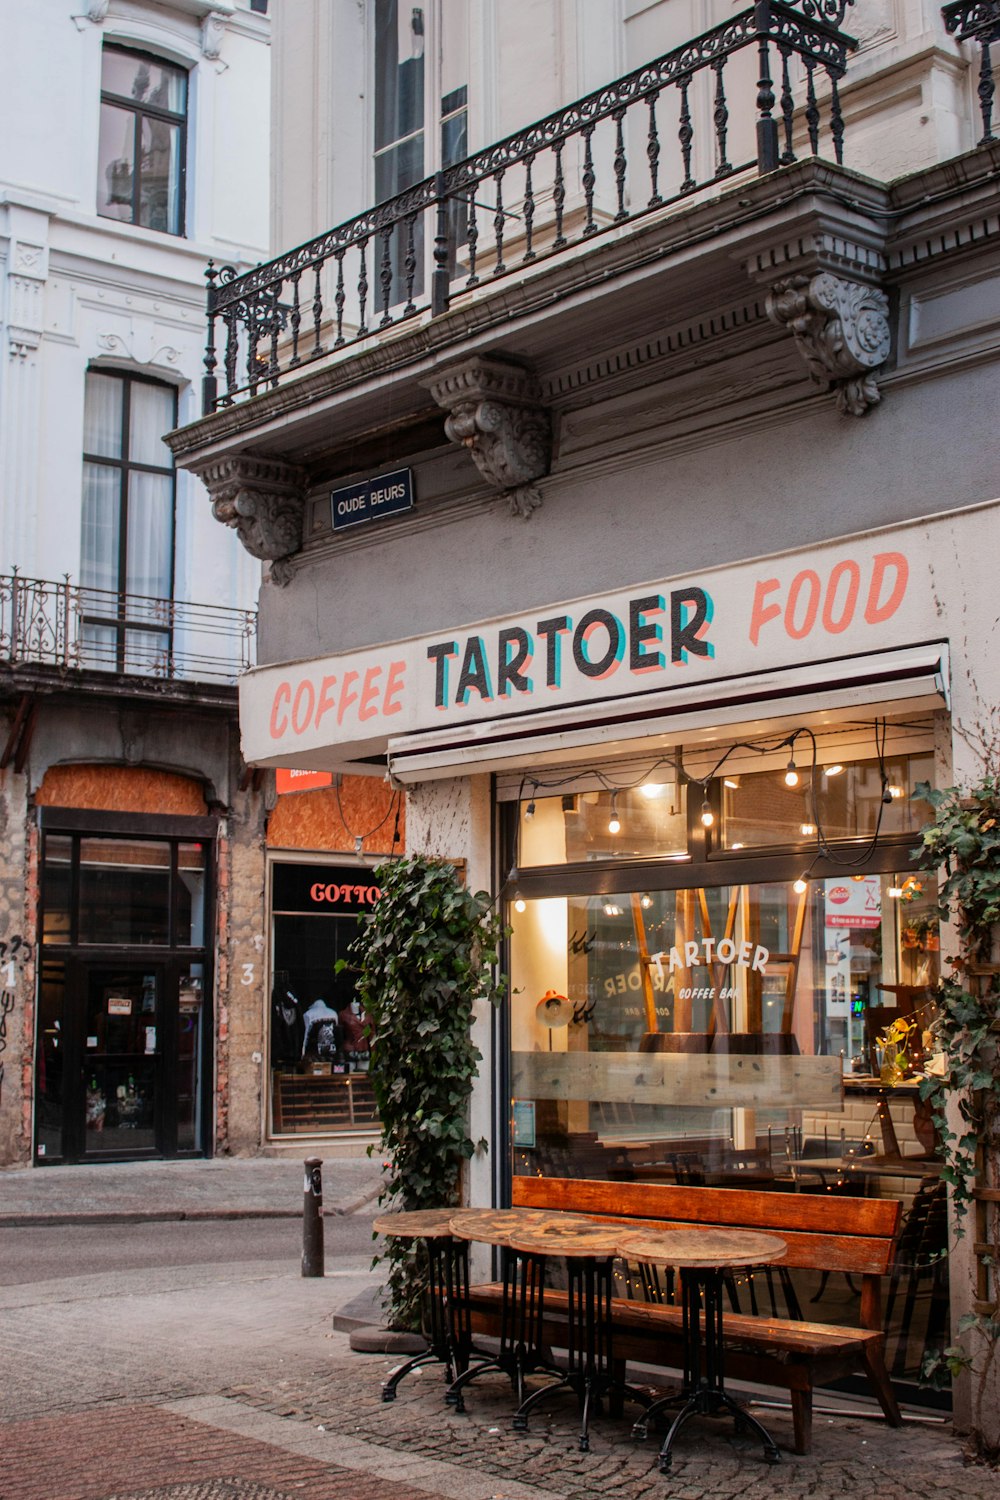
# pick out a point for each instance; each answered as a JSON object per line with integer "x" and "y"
{"x": 707, "y": 815}
{"x": 834, "y": 770}
{"x": 612, "y": 909}
{"x": 731, "y": 782}
{"x": 737, "y": 846}
{"x": 645, "y": 901}
{"x": 895, "y": 791}
{"x": 895, "y": 891}
{"x": 807, "y": 829}
{"x": 653, "y": 789}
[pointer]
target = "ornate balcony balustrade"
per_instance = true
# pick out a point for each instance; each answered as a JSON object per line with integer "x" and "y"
{"x": 62, "y": 624}
{"x": 749, "y": 94}
{"x": 978, "y": 21}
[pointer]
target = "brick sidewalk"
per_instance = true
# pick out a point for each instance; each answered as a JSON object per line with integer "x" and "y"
{"x": 142, "y": 1452}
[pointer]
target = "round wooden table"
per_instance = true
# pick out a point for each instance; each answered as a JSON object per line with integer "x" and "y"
{"x": 702, "y": 1256}
{"x": 527, "y": 1238}
{"x": 446, "y": 1304}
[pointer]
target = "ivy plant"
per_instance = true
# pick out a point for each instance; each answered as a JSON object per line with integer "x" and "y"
{"x": 425, "y": 959}
{"x": 962, "y": 841}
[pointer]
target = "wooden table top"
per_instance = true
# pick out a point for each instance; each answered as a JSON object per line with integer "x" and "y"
{"x": 573, "y": 1240}
{"x": 495, "y": 1226}
{"x": 417, "y": 1223}
{"x": 702, "y": 1249}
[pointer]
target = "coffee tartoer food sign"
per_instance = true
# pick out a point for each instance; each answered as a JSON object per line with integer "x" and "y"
{"x": 845, "y": 597}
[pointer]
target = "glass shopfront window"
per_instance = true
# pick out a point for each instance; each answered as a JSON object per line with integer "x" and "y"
{"x": 121, "y": 1062}
{"x": 318, "y": 1046}
{"x": 711, "y": 1008}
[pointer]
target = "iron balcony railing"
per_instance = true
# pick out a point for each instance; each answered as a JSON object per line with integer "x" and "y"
{"x": 978, "y": 21}
{"x": 62, "y": 624}
{"x": 750, "y": 93}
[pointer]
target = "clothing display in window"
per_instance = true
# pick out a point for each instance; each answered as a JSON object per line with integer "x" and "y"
{"x": 322, "y": 1033}
{"x": 288, "y": 1030}
{"x": 352, "y": 1024}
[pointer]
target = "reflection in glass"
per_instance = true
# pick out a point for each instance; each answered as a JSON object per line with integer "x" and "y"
{"x": 760, "y": 810}
{"x": 573, "y": 828}
{"x": 57, "y": 886}
{"x": 729, "y": 1036}
{"x": 51, "y": 1064}
{"x": 190, "y": 1004}
{"x": 190, "y": 896}
{"x": 122, "y": 1038}
{"x": 124, "y": 891}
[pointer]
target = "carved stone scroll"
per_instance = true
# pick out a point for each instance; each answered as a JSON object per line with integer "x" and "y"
{"x": 842, "y": 331}
{"x": 263, "y": 500}
{"x": 496, "y": 413}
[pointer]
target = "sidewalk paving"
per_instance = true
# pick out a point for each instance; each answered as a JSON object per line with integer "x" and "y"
{"x": 235, "y": 1381}
{"x": 147, "y": 1191}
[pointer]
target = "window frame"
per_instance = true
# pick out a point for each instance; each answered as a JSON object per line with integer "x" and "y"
{"x": 125, "y": 466}
{"x": 169, "y": 117}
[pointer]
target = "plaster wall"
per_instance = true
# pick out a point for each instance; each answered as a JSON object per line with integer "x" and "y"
{"x": 194, "y": 745}
{"x": 240, "y": 974}
{"x": 453, "y": 820}
{"x": 18, "y": 890}
{"x": 630, "y": 513}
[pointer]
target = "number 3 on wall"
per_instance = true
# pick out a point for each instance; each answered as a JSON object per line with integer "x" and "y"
{"x": 247, "y": 977}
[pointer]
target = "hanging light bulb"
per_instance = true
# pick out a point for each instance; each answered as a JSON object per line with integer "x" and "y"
{"x": 645, "y": 901}
{"x": 800, "y": 886}
{"x": 529, "y": 811}
{"x": 707, "y": 815}
{"x": 614, "y": 822}
{"x": 791, "y": 773}
{"x": 807, "y": 829}
{"x": 519, "y": 902}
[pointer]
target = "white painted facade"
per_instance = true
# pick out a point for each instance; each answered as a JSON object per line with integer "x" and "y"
{"x": 79, "y": 292}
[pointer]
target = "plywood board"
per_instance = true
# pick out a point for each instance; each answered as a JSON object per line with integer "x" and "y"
{"x": 679, "y": 1080}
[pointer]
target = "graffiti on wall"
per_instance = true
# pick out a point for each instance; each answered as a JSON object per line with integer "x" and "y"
{"x": 16, "y": 952}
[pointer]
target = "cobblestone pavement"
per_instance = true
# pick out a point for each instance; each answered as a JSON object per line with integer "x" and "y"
{"x": 228, "y": 1382}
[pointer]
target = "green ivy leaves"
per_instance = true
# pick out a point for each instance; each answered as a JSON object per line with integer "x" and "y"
{"x": 425, "y": 959}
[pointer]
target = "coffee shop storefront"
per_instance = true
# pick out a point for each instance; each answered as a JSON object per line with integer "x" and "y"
{"x": 699, "y": 797}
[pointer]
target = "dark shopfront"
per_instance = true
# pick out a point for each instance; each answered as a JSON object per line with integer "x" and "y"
{"x": 124, "y": 1047}
{"x": 318, "y": 1047}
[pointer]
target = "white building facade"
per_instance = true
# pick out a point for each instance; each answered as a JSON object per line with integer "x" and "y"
{"x": 133, "y": 151}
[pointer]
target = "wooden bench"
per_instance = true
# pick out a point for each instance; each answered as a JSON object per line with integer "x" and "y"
{"x": 850, "y": 1235}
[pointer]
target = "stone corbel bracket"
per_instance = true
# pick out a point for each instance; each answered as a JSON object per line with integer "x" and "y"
{"x": 263, "y": 500}
{"x": 495, "y": 412}
{"x": 841, "y": 329}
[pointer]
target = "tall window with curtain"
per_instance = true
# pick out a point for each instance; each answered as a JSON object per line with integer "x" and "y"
{"x": 127, "y": 541}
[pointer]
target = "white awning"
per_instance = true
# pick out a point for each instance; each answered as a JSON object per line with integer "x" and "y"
{"x": 910, "y": 679}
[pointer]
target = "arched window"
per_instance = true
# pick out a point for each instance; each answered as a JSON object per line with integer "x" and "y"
{"x": 143, "y": 140}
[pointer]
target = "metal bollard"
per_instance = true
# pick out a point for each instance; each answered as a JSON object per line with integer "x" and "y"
{"x": 312, "y": 1218}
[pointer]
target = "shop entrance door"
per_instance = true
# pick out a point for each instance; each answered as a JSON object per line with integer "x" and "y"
{"x": 122, "y": 1046}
